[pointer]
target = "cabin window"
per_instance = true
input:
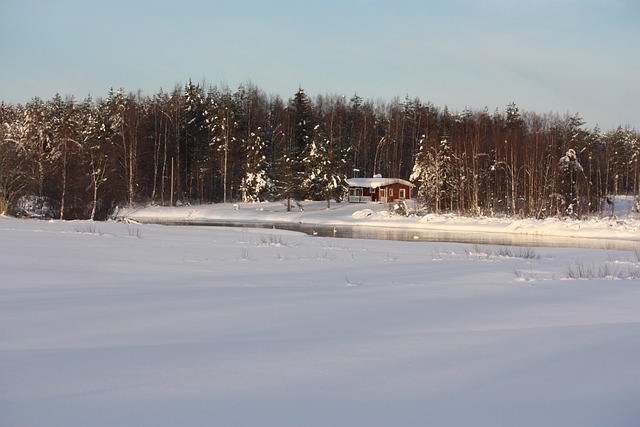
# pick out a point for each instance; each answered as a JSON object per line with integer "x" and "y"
{"x": 391, "y": 192}
{"x": 402, "y": 193}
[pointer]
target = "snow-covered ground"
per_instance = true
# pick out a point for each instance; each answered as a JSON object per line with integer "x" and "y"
{"x": 116, "y": 324}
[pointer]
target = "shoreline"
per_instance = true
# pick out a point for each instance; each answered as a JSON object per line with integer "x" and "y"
{"x": 600, "y": 233}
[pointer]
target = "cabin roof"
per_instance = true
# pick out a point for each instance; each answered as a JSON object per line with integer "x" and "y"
{"x": 376, "y": 182}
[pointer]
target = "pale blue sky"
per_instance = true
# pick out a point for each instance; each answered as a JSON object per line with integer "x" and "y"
{"x": 545, "y": 55}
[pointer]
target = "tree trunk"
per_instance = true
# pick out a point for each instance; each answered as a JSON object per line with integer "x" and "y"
{"x": 64, "y": 181}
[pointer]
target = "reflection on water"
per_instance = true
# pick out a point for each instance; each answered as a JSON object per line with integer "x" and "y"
{"x": 418, "y": 235}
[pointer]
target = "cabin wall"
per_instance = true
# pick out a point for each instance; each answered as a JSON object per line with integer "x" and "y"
{"x": 393, "y": 192}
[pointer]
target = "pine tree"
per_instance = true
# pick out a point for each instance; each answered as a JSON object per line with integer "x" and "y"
{"x": 302, "y": 117}
{"x": 63, "y": 120}
{"x": 324, "y": 165}
{"x": 289, "y": 180}
{"x": 433, "y": 172}
{"x": 36, "y": 141}
{"x": 290, "y": 166}
{"x": 227, "y": 139}
{"x": 14, "y": 177}
{"x": 96, "y": 145}
{"x": 571, "y": 169}
{"x": 256, "y": 183}
{"x": 198, "y": 134}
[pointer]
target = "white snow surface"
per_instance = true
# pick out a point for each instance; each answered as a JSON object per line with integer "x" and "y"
{"x": 116, "y": 324}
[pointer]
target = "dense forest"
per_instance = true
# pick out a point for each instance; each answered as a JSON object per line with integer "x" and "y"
{"x": 70, "y": 159}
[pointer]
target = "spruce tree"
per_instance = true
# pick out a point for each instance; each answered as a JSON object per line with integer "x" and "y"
{"x": 433, "y": 172}
{"x": 324, "y": 164}
{"x": 256, "y": 183}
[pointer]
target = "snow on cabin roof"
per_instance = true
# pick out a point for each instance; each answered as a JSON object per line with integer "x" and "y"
{"x": 376, "y": 182}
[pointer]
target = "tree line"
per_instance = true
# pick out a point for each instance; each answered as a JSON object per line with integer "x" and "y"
{"x": 202, "y": 143}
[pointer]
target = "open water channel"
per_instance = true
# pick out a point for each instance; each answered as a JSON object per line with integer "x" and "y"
{"x": 420, "y": 235}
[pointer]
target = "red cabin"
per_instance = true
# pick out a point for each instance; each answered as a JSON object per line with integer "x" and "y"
{"x": 378, "y": 189}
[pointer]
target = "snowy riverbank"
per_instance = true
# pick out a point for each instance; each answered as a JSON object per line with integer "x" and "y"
{"x": 624, "y": 226}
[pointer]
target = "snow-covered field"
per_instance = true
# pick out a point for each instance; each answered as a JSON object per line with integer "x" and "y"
{"x": 115, "y": 324}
